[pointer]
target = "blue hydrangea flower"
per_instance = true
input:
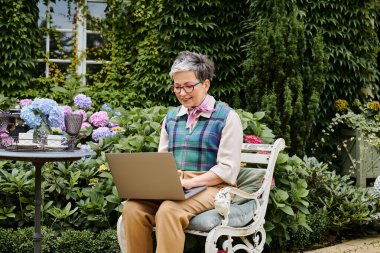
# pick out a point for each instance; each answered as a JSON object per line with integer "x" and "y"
{"x": 86, "y": 149}
{"x": 56, "y": 116}
{"x": 42, "y": 109}
{"x": 101, "y": 132}
{"x": 107, "y": 108}
{"x": 82, "y": 101}
{"x": 44, "y": 105}
{"x": 31, "y": 119}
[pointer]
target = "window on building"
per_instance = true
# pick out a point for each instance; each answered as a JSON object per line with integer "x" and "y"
{"x": 71, "y": 31}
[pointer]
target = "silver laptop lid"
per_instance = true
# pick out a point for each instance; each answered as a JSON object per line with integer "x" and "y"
{"x": 148, "y": 175}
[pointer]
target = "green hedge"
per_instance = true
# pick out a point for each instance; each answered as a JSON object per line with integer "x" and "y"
{"x": 68, "y": 241}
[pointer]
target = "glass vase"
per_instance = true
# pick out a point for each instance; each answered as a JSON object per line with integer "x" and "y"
{"x": 41, "y": 132}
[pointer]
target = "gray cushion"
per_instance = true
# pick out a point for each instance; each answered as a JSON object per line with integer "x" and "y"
{"x": 248, "y": 180}
{"x": 240, "y": 215}
{"x": 241, "y": 210}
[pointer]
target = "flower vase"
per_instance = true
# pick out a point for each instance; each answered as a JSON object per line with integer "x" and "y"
{"x": 41, "y": 132}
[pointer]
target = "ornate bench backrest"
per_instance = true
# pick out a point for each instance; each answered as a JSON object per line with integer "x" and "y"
{"x": 263, "y": 156}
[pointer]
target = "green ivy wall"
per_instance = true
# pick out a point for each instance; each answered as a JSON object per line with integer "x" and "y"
{"x": 18, "y": 40}
{"x": 149, "y": 34}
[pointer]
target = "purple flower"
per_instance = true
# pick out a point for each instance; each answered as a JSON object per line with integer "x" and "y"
{"x": 62, "y": 127}
{"x": 25, "y": 102}
{"x": 99, "y": 119}
{"x": 82, "y": 101}
{"x": 101, "y": 132}
{"x": 111, "y": 125}
{"x": 5, "y": 139}
{"x": 84, "y": 114}
{"x": 86, "y": 149}
{"x": 67, "y": 110}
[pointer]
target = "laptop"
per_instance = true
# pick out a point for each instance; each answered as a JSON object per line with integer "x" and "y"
{"x": 148, "y": 175}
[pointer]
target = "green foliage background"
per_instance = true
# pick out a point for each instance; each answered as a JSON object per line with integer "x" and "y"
{"x": 147, "y": 35}
{"x": 349, "y": 31}
{"x": 143, "y": 37}
{"x": 19, "y": 39}
{"x": 284, "y": 74}
{"x": 164, "y": 28}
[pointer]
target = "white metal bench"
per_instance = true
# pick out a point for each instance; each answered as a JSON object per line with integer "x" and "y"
{"x": 239, "y": 212}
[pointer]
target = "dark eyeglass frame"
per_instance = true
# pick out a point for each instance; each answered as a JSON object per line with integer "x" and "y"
{"x": 187, "y": 89}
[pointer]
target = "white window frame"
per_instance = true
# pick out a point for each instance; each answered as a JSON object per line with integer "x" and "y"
{"x": 81, "y": 42}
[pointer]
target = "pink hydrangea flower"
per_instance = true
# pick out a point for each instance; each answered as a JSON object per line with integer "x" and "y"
{"x": 83, "y": 113}
{"x": 85, "y": 125}
{"x": 67, "y": 110}
{"x": 250, "y": 138}
{"x": 25, "y": 102}
{"x": 5, "y": 139}
{"x": 99, "y": 119}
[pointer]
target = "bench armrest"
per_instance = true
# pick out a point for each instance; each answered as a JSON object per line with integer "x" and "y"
{"x": 223, "y": 199}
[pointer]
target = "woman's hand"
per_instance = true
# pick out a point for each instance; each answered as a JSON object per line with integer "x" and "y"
{"x": 187, "y": 183}
{"x": 209, "y": 178}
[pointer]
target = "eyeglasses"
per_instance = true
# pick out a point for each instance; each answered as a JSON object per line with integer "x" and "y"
{"x": 187, "y": 89}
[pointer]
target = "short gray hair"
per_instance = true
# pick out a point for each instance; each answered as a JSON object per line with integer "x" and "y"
{"x": 200, "y": 64}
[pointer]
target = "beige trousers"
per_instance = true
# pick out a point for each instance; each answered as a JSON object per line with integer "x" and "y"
{"x": 169, "y": 217}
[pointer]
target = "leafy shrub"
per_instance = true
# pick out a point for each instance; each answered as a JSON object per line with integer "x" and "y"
{"x": 49, "y": 240}
{"x": 6, "y": 102}
{"x": 72, "y": 241}
{"x": 17, "y": 193}
{"x": 106, "y": 241}
{"x": 82, "y": 194}
{"x": 319, "y": 222}
{"x": 336, "y": 206}
{"x": 346, "y": 206}
{"x": 288, "y": 203}
{"x": 6, "y": 236}
{"x": 21, "y": 241}
{"x": 302, "y": 238}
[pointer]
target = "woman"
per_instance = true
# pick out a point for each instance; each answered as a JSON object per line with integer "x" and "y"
{"x": 205, "y": 138}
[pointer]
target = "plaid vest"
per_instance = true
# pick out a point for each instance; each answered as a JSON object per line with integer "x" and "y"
{"x": 196, "y": 150}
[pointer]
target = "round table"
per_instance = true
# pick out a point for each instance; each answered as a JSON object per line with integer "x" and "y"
{"x": 38, "y": 158}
